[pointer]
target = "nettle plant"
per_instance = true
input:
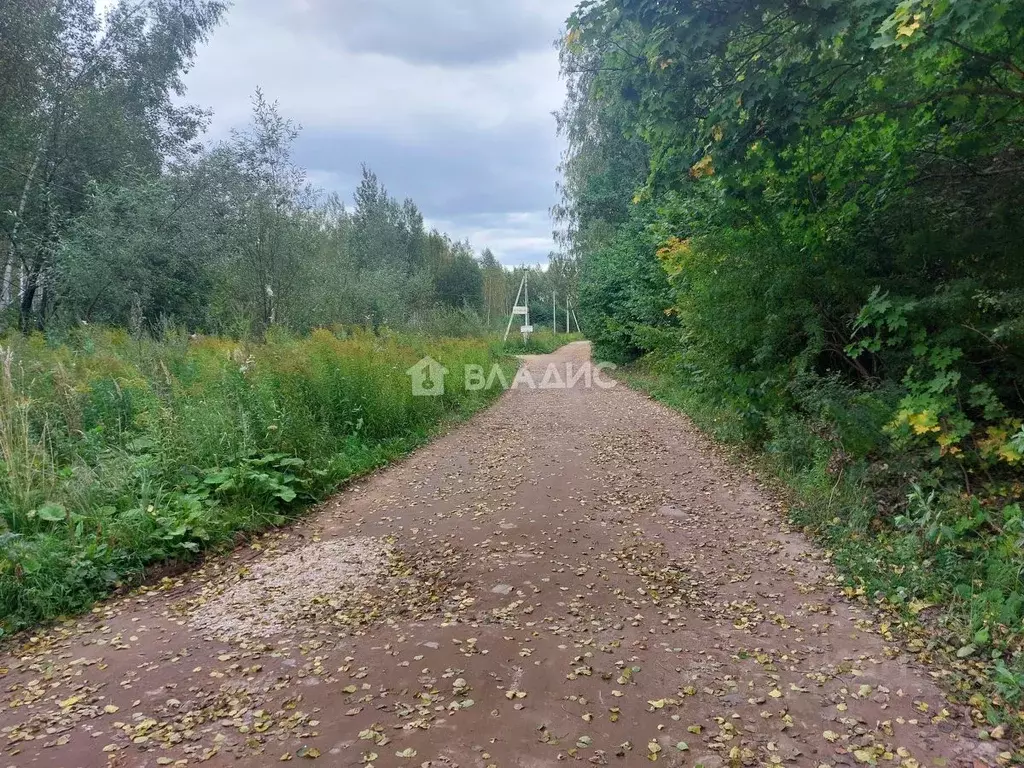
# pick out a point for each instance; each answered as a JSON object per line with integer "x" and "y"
{"x": 943, "y": 410}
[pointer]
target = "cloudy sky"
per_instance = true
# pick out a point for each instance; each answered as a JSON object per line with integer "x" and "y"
{"x": 449, "y": 101}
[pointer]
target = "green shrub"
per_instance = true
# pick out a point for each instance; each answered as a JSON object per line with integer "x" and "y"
{"x": 540, "y": 343}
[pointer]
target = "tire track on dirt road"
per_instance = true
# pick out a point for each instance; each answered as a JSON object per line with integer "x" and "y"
{"x": 571, "y": 576}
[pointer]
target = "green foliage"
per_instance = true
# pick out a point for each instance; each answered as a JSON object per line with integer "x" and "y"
{"x": 949, "y": 411}
{"x": 123, "y": 452}
{"x": 264, "y": 481}
{"x": 127, "y": 256}
{"x": 92, "y": 101}
{"x": 625, "y": 303}
{"x": 113, "y": 211}
{"x": 236, "y": 241}
{"x": 825, "y": 199}
{"x": 459, "y": 283}
{"x": 539, "y": 343}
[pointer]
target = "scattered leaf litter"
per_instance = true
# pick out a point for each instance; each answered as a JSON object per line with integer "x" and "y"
{"x": 280, "y": 588}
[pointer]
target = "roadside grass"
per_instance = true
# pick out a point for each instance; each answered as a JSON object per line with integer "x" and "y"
{"x": 119, "y": 453}
{"x": 951, "y": 590}
{"x": 540, "y": 343}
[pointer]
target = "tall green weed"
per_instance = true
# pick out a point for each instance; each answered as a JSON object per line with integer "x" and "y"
{"x": 120, "y": 452}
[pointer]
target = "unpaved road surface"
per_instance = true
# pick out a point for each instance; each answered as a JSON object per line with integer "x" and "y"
{"x": 571, "y": 577}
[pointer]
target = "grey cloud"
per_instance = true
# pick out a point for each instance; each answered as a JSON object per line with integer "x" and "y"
{"x": 470, "y": 139}
{"x": 458, "y": 174}
{"x": 443, "y": 32}
{"x": 489, "y": 186}
{"x": 515, "y": 238}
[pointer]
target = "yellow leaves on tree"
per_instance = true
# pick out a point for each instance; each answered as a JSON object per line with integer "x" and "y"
{"x": 674, "y": 254}
{"x": 998, "y": 443}
{"x": 705, "y": 167}
{"x": 948, "y": 445}
{"x": 922, "y": 423}
{"x": 572, "y": 39}
{"x": 909, "y": 27}
{"x": 994, "y": 443}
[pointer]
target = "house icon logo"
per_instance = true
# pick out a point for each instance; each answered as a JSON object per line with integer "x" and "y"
{"x": 427, "y": 378}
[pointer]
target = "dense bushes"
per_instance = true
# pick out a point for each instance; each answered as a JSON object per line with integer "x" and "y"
{"x": 539, "y": 343}
{"x": 817, "y": 251}
{"x": 626, "y": 301}
{"x": 120, "y": 452}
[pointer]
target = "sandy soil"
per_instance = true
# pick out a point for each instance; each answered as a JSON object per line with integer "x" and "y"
{"x": 572, "y": 576}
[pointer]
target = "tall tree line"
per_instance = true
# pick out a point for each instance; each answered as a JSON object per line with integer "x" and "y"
{"x": 809, "y": 214}
{"x": 114, "y": 210}
{"x": 770, "y": 184}
{"x": 86, "y": 102}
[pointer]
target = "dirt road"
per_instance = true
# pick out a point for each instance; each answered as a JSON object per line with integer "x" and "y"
{"x": 570, "y": 577}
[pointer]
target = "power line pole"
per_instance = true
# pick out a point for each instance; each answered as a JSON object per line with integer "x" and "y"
{"x": 526, "y": 283}
{"x": 515, "y": 306}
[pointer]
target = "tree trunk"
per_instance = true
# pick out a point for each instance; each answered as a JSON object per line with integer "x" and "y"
{"x": 5, "y": 287}
{"x": 28, "y": 293}
{"x": 12, "y": 249}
